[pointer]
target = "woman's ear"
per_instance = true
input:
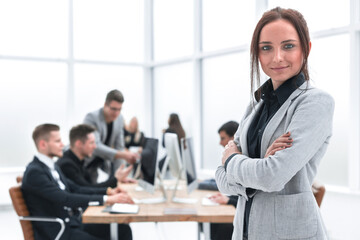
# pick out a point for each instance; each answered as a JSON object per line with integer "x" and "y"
{"x": 309, "y": 47}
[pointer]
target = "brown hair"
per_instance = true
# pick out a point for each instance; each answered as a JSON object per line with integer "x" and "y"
{"x": 175, "y": 124}
{"x": 114, "y": 95}
{"x": 80, "y": 132}
{"x": 299, "y": 23}
{"x": 42, "y": 132}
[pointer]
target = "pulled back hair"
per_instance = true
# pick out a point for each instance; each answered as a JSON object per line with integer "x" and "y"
{"x": 175, "y": 124}
{"x": 297, "y": 20}
{"x": 80, "y": 132}
{"x": 42, "y": 132}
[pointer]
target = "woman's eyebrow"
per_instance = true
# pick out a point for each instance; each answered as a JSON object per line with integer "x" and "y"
{"x": 285, "y": 41}
{"x": 289, "y": 40}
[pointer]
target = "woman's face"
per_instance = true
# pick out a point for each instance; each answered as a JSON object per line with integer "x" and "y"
{"x": 280, "y": 51}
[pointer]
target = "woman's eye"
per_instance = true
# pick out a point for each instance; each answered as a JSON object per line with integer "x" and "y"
{"x": 289, "y": 46}
{"x": 265, "y": 48}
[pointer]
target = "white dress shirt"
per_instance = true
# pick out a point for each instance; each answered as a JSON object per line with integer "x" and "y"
{"x": 51, "y": 165}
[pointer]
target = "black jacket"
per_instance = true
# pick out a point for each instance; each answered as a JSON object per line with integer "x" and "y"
{"x": 44, "y": 198}
{"x": 74, "y": 169}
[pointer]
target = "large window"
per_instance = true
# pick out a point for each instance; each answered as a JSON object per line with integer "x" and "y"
{"x": 173, "y": 29}
{"x": 174, "y": 94}
{"x": 37, "y": 28}
{"x": 109, "y": 30}
{"x": 227, "y": 24}
{"x": 337, "y": 83}
{"x": 31, "y": 93}
{"x": 226, "y": 94}
{"x": 191, "y": 57}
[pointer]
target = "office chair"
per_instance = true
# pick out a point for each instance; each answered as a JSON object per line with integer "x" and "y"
{"x": 24, "y": 216}
{"x": 318, "y": 190}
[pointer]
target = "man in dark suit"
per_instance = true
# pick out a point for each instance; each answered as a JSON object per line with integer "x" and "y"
{"x": 49, "y": 193}
{"x": 82, "y": 145}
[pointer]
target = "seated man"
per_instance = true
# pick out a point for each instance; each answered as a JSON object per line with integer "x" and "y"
{"x": 49, "y": 193}
{"x": 223, "y": 231}
{"x": 109, "y": 137}
{"x": 82, "y": 145}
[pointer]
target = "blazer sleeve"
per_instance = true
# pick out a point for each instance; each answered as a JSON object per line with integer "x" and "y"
{"x": 119, "y": 143}
{"x": 231, "y": 187}
{"x": 310, "y": 127}
{"x": 39, "y": 183}
{"x": 101, "y": 150}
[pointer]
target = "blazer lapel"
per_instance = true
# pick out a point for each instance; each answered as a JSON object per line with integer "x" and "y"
{"x": 103, "y": 130}
{"x": 46, "y": 168}
{"x": 276, "y": 119}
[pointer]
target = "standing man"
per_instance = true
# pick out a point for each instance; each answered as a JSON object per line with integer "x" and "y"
{"x": 82, "y": 145}
{"x": 48, "y": 193}
{"x": 109, "y": 136}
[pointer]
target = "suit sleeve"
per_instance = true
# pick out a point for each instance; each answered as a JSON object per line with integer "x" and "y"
{"x": 39, "y": 183}
{"x": 101, "y": 150}
{"x": 72, "y": 172}
{"x": 310, "y": 127}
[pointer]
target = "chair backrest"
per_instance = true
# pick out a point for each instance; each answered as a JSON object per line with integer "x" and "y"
{"x": 318, "y": 190}
{"x": 21, "y": 210}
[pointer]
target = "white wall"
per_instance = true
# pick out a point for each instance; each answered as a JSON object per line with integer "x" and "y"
{"x": 341, "y": 214}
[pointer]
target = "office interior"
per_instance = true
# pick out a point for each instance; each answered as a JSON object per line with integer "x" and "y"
{"x": 59, "y": 58}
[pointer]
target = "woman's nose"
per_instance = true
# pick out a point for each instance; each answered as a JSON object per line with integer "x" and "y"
{"x": 278, "y": 55}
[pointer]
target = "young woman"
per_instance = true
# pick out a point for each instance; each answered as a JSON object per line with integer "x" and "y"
{"x": 273, "y": 181}
{"x": 174, "y": 127}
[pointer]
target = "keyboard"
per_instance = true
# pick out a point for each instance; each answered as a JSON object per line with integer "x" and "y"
{"x": 185, "y": 200}
{"x": 149, "y": 200}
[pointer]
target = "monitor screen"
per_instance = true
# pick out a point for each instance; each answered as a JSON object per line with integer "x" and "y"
{"x": 187, "y": 149}
{"x": 149, "y": 164}
{"x": 173, "y": 155}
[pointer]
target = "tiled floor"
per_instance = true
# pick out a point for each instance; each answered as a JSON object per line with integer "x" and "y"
{"x": 11, "y": 230}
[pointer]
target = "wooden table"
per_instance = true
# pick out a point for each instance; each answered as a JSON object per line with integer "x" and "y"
{"x": 155, "y": 212}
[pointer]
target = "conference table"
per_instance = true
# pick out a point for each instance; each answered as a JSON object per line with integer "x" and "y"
{"x": 168, "y": 211}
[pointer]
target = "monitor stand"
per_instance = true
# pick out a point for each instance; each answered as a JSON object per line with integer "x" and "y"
{"x": 181, "y": 199}
{"x": 154, "y": 200}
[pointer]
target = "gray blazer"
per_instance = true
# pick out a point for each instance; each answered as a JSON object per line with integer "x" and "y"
{"x": 97, "y": 120}
{"x": 283, "y": 206}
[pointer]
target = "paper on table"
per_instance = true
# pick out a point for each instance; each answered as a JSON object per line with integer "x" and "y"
{"x": 122, "y": 208}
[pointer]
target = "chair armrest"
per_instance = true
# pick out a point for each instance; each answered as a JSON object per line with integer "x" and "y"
{"x": 46, "y": 219}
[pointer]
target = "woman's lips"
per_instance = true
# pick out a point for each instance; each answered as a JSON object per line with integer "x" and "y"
{"x": 279, "y": 68}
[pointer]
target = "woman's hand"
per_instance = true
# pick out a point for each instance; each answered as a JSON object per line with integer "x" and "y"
{"x": 230, "y": 149}
{"x": 282, "y": 142}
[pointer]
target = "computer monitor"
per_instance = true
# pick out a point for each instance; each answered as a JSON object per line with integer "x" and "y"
{"x": 149, "y": 172}
{"x": 173, "y": 156}
{"x": 189, "y": 170}
{"x": 187, "y": 149}
{"x": 148, "y": 164}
